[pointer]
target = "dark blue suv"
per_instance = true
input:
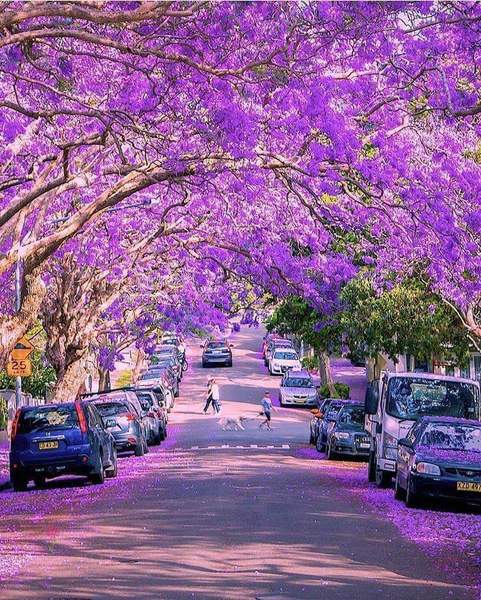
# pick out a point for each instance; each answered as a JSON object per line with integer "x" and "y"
{"x": 60, "y": 439}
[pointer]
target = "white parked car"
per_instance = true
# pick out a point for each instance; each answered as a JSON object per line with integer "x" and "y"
{"x": 297, "y": 388}
{"x": 282, "y": 360}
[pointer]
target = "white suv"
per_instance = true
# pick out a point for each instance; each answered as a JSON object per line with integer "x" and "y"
{"x": 282, "y": 360}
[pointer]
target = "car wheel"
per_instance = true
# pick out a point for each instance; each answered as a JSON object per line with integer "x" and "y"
{"x": 112, "y": 470}
{"x": 146, "y": 447}
{"x": 320, "y": 447}
{"x": 311, "y": 438}
{"x": 98, "y": 476}
{"x": 139, "y": 449}
{"x": 411, "y": 499}
{"x": 398, "y": 491}
{"x": 19, "y": 483}
{"x": 204, "y": 364}
{"x": 39, "y": 481}
{"x": 371, "y": 468}
{"x": 383, "y": 478}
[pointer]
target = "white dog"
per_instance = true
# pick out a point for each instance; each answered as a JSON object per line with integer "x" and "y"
{"x": 233, "y": 423}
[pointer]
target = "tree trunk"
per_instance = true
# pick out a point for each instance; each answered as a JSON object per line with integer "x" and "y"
{"x": 13, "y": 327}
{"x": 104, "y": 380}
{"x": 69, "y": 382}
{"x": 139, "y": 361}
{"x": 325, "y": 372}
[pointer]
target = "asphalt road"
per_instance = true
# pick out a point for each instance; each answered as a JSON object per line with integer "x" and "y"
{"x": 216, "y": 514}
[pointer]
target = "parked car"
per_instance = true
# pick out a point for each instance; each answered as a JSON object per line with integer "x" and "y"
{"x": 125, "y": 419}
{"x": 273, "y": 345}
{"x": 149, "y": 401}
{"x": 297, "y": 389}
{"x": 168, "y": 355}
{"x": 282, "y": 360}
{"x": 52, "y": 440}
{"x": 347, "y": 435}
{"x": 267, "y": 339}
{"x": 440, "y": 457}
{"x": 316, "y": 420}
{"x": 160, "y": 375}
{"x": 327, "y": 422}
{"x": 216, "y": 353}
{"x": 175, "y": 340}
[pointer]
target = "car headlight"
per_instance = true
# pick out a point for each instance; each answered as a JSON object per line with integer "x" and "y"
{"x": 342, "y": 435}
{"x": 390, "y": 446}
{"x": 427, "y": 468}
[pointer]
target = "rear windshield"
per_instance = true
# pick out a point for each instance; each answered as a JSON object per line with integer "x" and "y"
{"x": 216, "y": 345}
{"x": 111, "y": 409}
{"x": 42, "y": 418}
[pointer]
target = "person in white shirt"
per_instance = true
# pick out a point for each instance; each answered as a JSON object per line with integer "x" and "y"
{"x": 212, "y": 396}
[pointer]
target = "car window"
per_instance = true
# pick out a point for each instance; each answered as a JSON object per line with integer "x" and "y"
{"x": 283, "y": 355}
{"x": 216, "y": 345}
{"x": 351, "y": 415}
{"x": 452, "y": 436}
{"x": 111, "y": 409}
{"x": 43, "y": 418}
{"x": 145, "y": 400}
{"x": 299, "y": 382}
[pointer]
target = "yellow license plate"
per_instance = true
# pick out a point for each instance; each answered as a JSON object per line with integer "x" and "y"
{"x": 47, "y": 445}
{"x": 468, "y": 486}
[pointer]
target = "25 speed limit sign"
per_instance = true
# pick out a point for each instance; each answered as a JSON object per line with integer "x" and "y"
{"x": 19, "y": 368}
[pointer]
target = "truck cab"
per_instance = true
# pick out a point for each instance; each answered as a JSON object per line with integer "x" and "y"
{"x": 395, "y": 401}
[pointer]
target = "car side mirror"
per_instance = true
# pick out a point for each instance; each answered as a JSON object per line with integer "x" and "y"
{"x": 405, "y": 442}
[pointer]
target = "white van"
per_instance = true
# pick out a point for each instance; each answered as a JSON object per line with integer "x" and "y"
{"x": 396, "y": 400}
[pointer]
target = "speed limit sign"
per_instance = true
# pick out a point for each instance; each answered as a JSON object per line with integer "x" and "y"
{"x": 19, "y": 368}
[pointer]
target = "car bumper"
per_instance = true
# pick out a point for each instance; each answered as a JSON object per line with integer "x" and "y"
{"x": 217, "y": 360}
{"x": 440, "y": 487}
{"x": 126, "y": 440}
{"x": 349, "y": 449}
{"x": 80, "y": 464}
{"x": 299, "y": 401}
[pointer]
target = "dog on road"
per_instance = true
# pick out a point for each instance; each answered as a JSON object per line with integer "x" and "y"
{"x": 233, "y": 423}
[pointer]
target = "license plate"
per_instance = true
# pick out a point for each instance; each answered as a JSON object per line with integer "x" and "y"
{"x": 47, "y": 445}
{"x": 364, "y": 446}
{"x": 468, "y": 486}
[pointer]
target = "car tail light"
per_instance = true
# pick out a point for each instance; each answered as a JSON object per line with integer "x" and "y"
{"x": 15, "y": 425}
{"x": 130, "y": 417}
{"x": 81, "y": 418}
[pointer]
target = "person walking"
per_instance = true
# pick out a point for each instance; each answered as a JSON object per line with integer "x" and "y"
{"x": 266, "y": 410}
{"x": 208, "y": 402}
{"x": 214, "y": 390}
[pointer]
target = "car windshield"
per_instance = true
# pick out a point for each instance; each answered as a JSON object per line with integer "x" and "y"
{"x": 333, "y": 411}
{"x": 48, "y": 417}
{"x": 452, "y": 436}
{"x": 111, "y": 409}
{"x": 217, "y": 346}
{"x": 409, "y": 398}
{"x": 351, "y": 415}
{"x": 298, "y": 382}
{"x": 284, "y": 355}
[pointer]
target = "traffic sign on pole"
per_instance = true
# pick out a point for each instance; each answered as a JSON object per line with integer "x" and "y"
{"x": 19, "y": 368}
{"x": 23, "y": 349}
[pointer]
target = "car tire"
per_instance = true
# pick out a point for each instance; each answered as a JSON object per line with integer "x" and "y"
{"x": 411, "y": 499}
{"x": 229, "y": 364}
{"x": 98, "y": 476}
{"x": 39, "y": 481}
{"x": 112, "y": 470}
{"x": 281, "y": 403}
{"x": 19, "y": 483}
{"x": 399, "y": 493}
{"x": 139, "y": 449}
{"x": 383, "y": 478}
{"x": 320, "y": 447}
{"x": 371, "y": 468}
{"x": 311, "y": 439}
{"x": 146, "y": 447}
